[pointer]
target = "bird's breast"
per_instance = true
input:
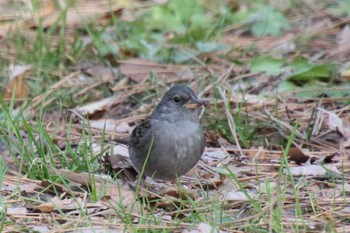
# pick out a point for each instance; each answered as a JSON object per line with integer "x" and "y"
{"x": 182, "y": 138}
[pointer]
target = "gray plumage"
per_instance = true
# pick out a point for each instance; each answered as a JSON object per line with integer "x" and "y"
{"x": 173, "y": 135}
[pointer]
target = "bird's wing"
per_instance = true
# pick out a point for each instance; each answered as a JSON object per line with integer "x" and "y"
{"x": 139, "y": 133}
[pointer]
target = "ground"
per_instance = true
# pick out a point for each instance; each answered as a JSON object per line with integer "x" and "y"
{"x": 78, "y": 76}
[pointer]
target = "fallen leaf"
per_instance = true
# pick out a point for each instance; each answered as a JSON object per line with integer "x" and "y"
{"x": 296, "y": 155}
{"x": 116, "y": 195}
{"x": 120, "y": 157}
{"x": 213, "y": 156}
{"x": 214, "y": 139}
{"x": 329, "y": 158}
{"x": 11, "y": 164}
{"x": 160, "y": 2}
{"x": 101, "y": 72}
{"x": 53, "y": 188}
{"x": 283, "y": 48}
{"x": 122, "y": 150}
{"x": 86, "y": 179}
{"x": 99, "y": 229}
{"x": 46, "y": 8}
{"x": 182, "y": 193}
{"x": 38, "y": 229}
{"x": 110, "y": 125}
{"x": 76, "y": 16}
{"x": 54, "y": 204}
{"x": 91, "y": 208}
{"x": 267, "y": 187}
{"x": 343, "y": 37}
{"x": 345, "y": 210}
{"x": 13, "y": 211}
{"x": 204, "y": 228}
{"x": 45, "y": 208}
{"x": 337, "y": 124}
{"x": 210, "y": 180}
{"x": 238, "y": 196}
{"x": 110, "y": 15}
{"x": 345, "y": 74}
{"x": 139, "y": 70}
{"x": 17, "y": 85}
{"x": 334, "y": 122}
{"x": 101, "y": 105}
{"x": 314, "y": 170}
{"x": 346, "y": 187}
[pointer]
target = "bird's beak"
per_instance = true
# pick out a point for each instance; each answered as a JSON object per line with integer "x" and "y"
{"x": 193, "y": 103}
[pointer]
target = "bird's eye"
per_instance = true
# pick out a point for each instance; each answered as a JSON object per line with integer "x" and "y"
{"x": 177, "y": 99}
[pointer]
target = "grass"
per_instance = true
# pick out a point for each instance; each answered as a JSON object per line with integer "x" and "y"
{"x": 54, "y": 145}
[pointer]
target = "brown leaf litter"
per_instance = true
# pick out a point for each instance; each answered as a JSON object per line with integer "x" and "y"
{"x": 312, "y": 177}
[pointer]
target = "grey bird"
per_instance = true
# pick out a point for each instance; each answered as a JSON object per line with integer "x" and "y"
{"x": 170, "y": 141}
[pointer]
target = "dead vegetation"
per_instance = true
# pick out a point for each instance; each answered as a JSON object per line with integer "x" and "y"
{"x": 277, "y": 157}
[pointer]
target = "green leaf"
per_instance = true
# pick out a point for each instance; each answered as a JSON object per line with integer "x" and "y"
{"x": 310, "y": 90}
{"x": 300, "y": 65}
{"x": 106, "y": 45}
{"x": 265, "y": 20}
{"x": 222, "y": 171}
{"x": 341, "y": 8}
{"x": 174, "y": 16}
{"x": 286, "y": 86}
{"x": 209, "y": 47}
{"x": 337, "y": 93}
{"x": 313, "y": 89}
{"x": 304, "y": 71}
{"x": 267, "y": 64}
{"x": 181, "y": 56}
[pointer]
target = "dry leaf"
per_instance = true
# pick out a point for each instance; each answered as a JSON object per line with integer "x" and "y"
{"x": 46, "y": 207}
{"x": 46, "y": 8}
{"x": 38, "y": 229}
{"x": 16, "y": 210}
{"x": 343, "y": 37}
{"x": 341, "y": 126}
{"x": 335, "y": 123}
{"x": 160, "y": 2}
{"x": 204, "y": 228}
{"x": 120, "y": 156}
{"x": 238, "y": 196}
{"x": 82, "y": 178}
{"x": 17, "y": 84}
{"x": 99, "y": 229}
{"x": 283, "y": 48}
{"x": 11, "y": 164}
{"x": 213, "y": 156}
{"x": 345, "y": 210}
{"x": 266, "y": 187}
{"x": 345, "y": 75}
{"x": 116, "y": 194}
{"x": 53, "y": 204}
{"x": 110, "y": 125}
{"x": 138, "y": 70}
{"x": 54, "y": 188}
{"x": 108, "y": 16}
{"x": 101, "y": 72}
{"x": 101, "y": 105}
{"x": 296, "y": 155}
{"x": 74, "y": 17}
{"x": 329, "y": 158}
{"x": 182, "y": 193}
{"x": 313, "y": 170}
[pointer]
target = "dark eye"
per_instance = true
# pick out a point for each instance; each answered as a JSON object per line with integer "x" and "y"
{"x": 176, "y": 98}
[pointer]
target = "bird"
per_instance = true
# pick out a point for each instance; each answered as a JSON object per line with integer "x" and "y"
{"x": 170, "y": 142}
